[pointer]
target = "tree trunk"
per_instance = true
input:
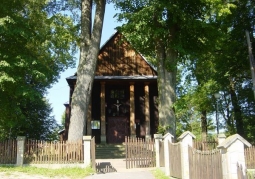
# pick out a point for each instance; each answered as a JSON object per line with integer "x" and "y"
{"x": 166, "y": 88}
{"x": 90, "y": 44}
{"x": 204, "y": 125}
{"x": 237, "y": 110}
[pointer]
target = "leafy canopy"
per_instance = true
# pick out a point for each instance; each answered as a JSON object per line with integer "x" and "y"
{"x": 35, "y": 46}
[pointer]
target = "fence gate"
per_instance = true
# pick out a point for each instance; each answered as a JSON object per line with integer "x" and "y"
{"x": 140, "y": 153}
{"x": 205, "y": 164}
{"x": 175, "y": 158}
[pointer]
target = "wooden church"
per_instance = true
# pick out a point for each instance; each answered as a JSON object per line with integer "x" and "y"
{"x": 124, "y": 95}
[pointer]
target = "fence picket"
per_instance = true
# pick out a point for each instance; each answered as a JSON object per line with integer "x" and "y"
{"x": 205, "y": 164}
{"x": 8, "y": 151}
{"x": 250, "y": 157}
{"x": 175, "y": 158}
{"x": 139, "y": 153}
{"x": 50, "y": 152}
{"x": 205, "y": 145}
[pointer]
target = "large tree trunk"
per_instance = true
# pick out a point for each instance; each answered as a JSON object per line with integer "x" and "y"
{"x": 237, "y": 110}
{"x": 204, "y": 125}
{"x": 90, "y": 44}
{"x": 230, "y": 124}
{"x": 166, "y": 88}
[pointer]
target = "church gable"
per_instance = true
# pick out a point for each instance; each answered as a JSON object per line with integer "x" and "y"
{"x": 118, "y": 58}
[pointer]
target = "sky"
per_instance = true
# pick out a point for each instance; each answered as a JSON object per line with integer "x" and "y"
{"x": 59, "y": 93}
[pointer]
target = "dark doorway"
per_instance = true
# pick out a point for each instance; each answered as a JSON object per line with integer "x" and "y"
{"x": 117, "y": 113}
{"x": 117, "y": 129}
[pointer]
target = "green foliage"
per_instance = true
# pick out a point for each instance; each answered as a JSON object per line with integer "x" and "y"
{"x": 173, "y": 32}
{"x": 209, "y": 37}
{"x": 250, "y": 173}
{"x": 224, "y": 69}
{"x": 35, "y": 47}
{"x": 63, "y": 119}
{"x": 159, "y": 174}
{"x": 163, "y": 129}
{"x": 188, "y": 116}
{"x": 194, "y": 23}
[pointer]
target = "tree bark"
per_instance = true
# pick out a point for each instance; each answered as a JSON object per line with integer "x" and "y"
{"x": 204, "y": 125}
{"x": 237, "y": 110}
{"x": 166, "y": 87}
{"x": 90, "y": 44}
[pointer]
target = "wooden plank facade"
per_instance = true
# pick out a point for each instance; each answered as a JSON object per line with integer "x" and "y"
{"x": 124, "y": 95}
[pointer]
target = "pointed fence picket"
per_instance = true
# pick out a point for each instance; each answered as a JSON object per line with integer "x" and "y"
{"x": 205, "y": 164}
{"x": 8, "y": 151}
{"x": 42, "y": 152}
{"x": 250, "y": 157}
{"x": 140, "y": 153}
{"x": 175, "y": 158}
{"x": 205, "y": 145}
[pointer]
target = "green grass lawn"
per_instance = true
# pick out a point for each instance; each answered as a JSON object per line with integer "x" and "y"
{"x": 63, "y": 172}
{"x": 159, "y": 174}
{"x": 72, "y": 173}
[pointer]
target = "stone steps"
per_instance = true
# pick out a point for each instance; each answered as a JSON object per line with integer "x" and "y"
{"x": 110, "y": 151}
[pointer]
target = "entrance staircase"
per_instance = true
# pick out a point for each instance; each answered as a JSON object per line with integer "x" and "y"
{"x": 110, "y": 151}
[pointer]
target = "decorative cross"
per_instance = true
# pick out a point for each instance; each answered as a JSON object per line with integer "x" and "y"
{"x": 118, "y": 106}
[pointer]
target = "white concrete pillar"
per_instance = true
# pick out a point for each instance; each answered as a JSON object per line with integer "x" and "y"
{"x": 157, "y": 138}
{"x": 167, "y": 138}
{"x": 20, "y": 150}
{"x": 87, "y": 150}
{"x": 186, "y": 140}
{"x": 221, "y": 138}
{"x": 232, "y": 150}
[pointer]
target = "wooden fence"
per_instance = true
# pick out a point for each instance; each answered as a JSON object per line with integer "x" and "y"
{"x": 139, "y": 153}
{"x": 205, "y": 164}
{"x": 41, "y": 152}
{"x": 205, "y": 145}
{"x": 250, "y": 157}
{"x": 161, "y": 154}
{"x": 240, "y": 172}
{"x": 175, "y": 160}
{"x": 8, "y": 152}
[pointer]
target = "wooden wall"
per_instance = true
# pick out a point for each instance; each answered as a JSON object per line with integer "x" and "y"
{"x": 117, "y": 58}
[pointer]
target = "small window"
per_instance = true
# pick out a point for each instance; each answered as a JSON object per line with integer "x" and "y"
{"x": 117, "y": 94}
{"x": 95, "y": 124}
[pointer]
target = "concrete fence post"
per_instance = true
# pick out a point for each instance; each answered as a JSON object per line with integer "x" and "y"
{"x": 167, "y": 138}
{"x": 20, "y": 150}
{"x": 158, "y": 138}
{"x": 232, "y": 150}
{"x": 87, "y": 150}
{"x": 221, "y": 138}
{"x": 186, "y": 140}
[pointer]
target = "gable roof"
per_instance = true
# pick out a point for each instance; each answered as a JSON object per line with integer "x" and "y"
{"x": 117, "y": 32}
{"x": 117, "y": 59}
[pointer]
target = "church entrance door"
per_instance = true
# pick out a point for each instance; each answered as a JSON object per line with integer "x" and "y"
{"x": 117, "y": 113}
{"x": 117, "y": 129}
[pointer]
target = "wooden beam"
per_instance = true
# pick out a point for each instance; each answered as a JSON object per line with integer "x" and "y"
{"x": 132, "y": 109}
